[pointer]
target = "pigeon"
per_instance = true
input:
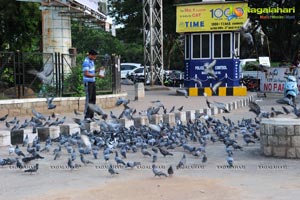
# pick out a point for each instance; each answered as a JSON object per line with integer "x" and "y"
{"x": 50, "y": 105}
{"x": 111, "y": 170}
{"x": 170, "y": 171}
{"x": 180, "y": 108}
{"x": 172, "y": 109}
{"x": 95, "y": 108}
{"x": 19, "y": 164}
{"x": 183, "y": 92}
{"x": 158, "y": 173}
{"x": 181, "y": 162}
{"x": 18, "y": 151}
{"x": 286, "y": 110}
{"x": 118, "y": 159}
{"x": 215, "y": 87}
{"x": 145, "y": 152}
{"x": 76, "y": 112}
{"x": 208, "y": 69}
{"x": 245, "y": 32}
{"x": 46, "y": 75}
{"x": 247, "y": 139}
{"x": 25, "y": 141}
{"x": 4, "y": 118}
{"x": 38, "y": 115}
{"x": 165, "y": 152}
{"x": 230, "y": 161}
{"x": 32, "y": 169}
{"x": 85, "y": 161}
{"x": 132, "y": 164}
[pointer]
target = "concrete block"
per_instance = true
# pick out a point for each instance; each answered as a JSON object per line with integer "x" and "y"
{"x": 126, "y": 123}
{"x": 43, "y": 133}
{"x": 297, "y": 152}
{"x": 269, "y": 129}
{"x": 139, "y": 91}
{"x": 290, "y": 130}
{"x": 17, "y": 136}
{"x": 94, "y": 126}
{"x": 5, "y": 139}
{"x": 155, "y": 119}
{"x": 262, "y": 129}
{"x": 280, "y": 130}
{"x": 31, "y": 135}
{"x": 169, "y": 118}
{"x": 295, "y": 141}
{"x": 267, "y": 150}
{"x": 74, "y": 128}
{"x": 291, "y": 152}
{"x": 54, "y": 132}
{"x": 273, "y": 140}
{"x": 64, "y": 129}
{"x": 140, "y": 121}
{"x": 181, "y": 116}
{"x": 297, "y": 130}
{"x": 284, "y": 141}
{"x": 190, "y": 115}
{"x": 279, "y": 151}
{"x": 264, "y": 140}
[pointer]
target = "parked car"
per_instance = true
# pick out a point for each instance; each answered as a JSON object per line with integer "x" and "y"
{"x": 138, "y": 75}
{"x": 127, "y": 67}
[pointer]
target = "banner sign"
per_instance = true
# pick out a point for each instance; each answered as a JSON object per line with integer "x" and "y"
{"x": 92, "y": 4}
{"x": 274, "y": 80}
{"x": 211, "y": 17}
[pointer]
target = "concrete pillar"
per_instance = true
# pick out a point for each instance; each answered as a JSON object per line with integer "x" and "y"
{"x": 56, "y": 29}
{"x": 140, "y": 121}
{"x": 181, "y": 116}
{"x": 155, "y": 119}
{"x": 43, "y": 133}
{"x": 190, "y": 115}
{"x": 54, "y": 132}
{"x": 139, "y": 91}
{"x": 17, "y": 136}
{"x": 64, "y": 129}
{"x": 169, "y": 118}
{"x": 5, "y": 138}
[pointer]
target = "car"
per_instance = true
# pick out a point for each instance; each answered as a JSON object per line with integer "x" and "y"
{"x": 138, "y": 75}
{"x": 127, "y": 67}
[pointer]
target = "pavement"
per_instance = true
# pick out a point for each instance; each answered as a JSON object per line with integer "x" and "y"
{"x": 255, "y": 177}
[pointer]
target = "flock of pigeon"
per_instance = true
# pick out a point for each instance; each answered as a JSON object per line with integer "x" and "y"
{"x": 154, "y": 141}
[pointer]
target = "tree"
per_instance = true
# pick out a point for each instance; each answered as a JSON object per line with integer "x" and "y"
{"x": 283, "y": 34}
{"x": 20, "y": 25}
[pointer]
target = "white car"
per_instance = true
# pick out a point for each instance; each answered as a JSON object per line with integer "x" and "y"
{"x": 138, "y": 75}
{"x": 127, "y": 67}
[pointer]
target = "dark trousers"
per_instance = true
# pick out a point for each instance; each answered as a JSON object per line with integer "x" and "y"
{"x": 90, "y": 92}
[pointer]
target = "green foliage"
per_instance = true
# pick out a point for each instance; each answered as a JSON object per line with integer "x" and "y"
{"x": 73, "y": 85}
{"x": 20, "y": 25}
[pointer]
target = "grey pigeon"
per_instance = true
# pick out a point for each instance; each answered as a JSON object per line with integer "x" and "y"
{"x": 46, "y": 75}
{"x": 111, "y": 170}
{"x": 208, "y": 69}
{"x": 85, "y": 161}
{"x": 170, "y": 171}
{"x": 32, "y": 169}
{"x": 158, "y": 173}
{"x": 50, "y": 105}
{"x": 182, "y": 162}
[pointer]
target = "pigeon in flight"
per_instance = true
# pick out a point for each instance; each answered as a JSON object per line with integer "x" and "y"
{"x": 46, "y": 75}
{"x": 208, "y": 69}
{"x": 50, "y": 104}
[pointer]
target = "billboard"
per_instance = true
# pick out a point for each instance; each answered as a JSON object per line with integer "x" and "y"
{"x": 211, "y": 17}
{"x": 92, "y": 4}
